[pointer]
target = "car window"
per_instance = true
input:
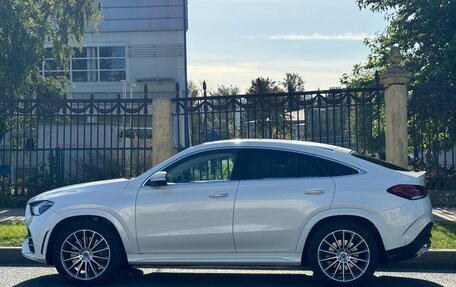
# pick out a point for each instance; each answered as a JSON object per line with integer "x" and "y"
{"x": 206, "y": 166}
{"x": 378, "y": 162}
{"x": 263, "y": 163}
{"x": 332, "y": 168}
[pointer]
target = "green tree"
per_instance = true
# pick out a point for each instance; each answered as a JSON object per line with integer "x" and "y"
{"x": 293, "y": 82}
{"x": 216, "y": 119}
{"x": 192, "y": 89}
{"x": 224, "y": 122}
{"x": 424, "y": 30}
{"x": 266, "y": 116}
{"x": 223, "y": 90}
{"x": 263, "y": 85}
{"x": 26, "y": 27}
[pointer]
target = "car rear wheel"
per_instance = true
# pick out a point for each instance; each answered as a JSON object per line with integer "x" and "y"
{"x": 87, "y": 253}
{"x": 343, "y": 253}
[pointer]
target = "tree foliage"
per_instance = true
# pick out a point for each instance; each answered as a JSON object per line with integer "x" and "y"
{"x": 26, "y": 27}
{"x": 263, "y": 85}
{"x": 223, "y": 90}
{"x": 293, "y": 82}
{"x": 425, "y": 31}
{"x": 266, "y": 118}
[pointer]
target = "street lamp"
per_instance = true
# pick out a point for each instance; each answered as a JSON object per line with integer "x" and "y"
{"x": 131, "y": 90}
{"x": 124, "y": 88}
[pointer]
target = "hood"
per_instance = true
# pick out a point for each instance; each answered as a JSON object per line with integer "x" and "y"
{"x": 96, "y": 186}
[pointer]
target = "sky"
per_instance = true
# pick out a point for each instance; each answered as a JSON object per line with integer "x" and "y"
{"x": 231, "y": 42}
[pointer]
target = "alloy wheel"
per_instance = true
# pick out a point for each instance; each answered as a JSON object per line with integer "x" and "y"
{"x": 343, "y": 255}
{"x": 85, "y": 254}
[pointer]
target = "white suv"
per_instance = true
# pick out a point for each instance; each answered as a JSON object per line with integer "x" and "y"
{"x": 237, "y": 202}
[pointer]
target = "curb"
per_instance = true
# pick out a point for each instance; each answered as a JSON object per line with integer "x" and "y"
{"x": 12, "y": 256}
{"x": 437, "y": 259}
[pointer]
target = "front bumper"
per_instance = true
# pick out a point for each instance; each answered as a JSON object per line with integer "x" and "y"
{"x": 416, "y": 248}
{"x": 39, "y": 229}
{"x": 28, "y": 253}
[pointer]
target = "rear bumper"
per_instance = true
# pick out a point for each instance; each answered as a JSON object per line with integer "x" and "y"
{"x": 416, "y": 248}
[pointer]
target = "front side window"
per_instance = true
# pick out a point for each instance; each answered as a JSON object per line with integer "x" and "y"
{"x": 203, "y": 167}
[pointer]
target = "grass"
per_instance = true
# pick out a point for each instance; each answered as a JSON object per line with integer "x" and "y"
{"x": 444, "y": 235}
{"x": 12, "y": 233}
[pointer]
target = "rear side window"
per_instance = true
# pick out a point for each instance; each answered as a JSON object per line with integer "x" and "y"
{"x": 378, "y": 162}
{"x": 333, "y": 168}
{"x": 262, "y": 163}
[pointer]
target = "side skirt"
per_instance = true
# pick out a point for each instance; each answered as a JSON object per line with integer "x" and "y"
{"x": 233, "y": 259}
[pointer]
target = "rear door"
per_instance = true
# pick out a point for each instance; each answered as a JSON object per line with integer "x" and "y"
{"x": 278, "y": 192}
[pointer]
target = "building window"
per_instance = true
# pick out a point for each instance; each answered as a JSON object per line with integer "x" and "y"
{"x": 91, "y": 64}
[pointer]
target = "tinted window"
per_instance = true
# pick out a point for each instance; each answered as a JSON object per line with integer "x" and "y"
{"x": 259, "y": 164}
{"x": 333, "y": 168}
{"x": 378, "y": 162}
{"x": 208, "y": 166}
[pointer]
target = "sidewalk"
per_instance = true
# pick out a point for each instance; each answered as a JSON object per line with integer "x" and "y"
{"x": 11, "y": 214}
{"x": 440, "y": 214}
{"x": 444, "y": 214}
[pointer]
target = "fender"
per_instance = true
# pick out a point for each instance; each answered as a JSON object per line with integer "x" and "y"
{"x": 326, "y": 214}
{"x": 126, "y": 231}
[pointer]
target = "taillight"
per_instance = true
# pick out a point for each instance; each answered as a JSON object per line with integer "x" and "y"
{"x": 408, "y": 191}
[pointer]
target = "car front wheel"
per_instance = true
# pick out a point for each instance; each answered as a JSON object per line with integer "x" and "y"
{"x": 87, "y": 253}
{"x": 343, "y": 253}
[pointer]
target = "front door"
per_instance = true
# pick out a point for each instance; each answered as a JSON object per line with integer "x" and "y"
{"x": 193, "y": 213}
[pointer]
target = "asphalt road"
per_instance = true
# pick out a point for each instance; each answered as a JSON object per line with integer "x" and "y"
{"x": 46, "y": 276}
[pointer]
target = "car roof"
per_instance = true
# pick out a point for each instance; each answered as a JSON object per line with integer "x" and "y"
{"x": 272, "y": 143}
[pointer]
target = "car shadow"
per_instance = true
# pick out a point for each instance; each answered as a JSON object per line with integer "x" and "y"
{"x": 157, "y": 279}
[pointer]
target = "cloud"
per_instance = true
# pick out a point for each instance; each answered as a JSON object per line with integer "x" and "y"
{"x": 317, "y": 74}
{"x": 317, "y": 36}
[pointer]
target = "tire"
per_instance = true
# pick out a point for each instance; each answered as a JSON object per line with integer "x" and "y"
{"x": 88, "y": 253}
{"x": 343, "y": 253}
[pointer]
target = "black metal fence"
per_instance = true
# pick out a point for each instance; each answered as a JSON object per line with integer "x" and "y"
{"x": 432, "y": 134}
{"x": 47, "y": 144}
{"x": 351, "y": 118}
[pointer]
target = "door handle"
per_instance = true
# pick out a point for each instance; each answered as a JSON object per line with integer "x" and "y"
{"x": 314, "y": 191}
{"x": 219, "y": 194}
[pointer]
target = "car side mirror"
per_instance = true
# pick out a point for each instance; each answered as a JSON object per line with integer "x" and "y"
{"x": 158, "y": 179}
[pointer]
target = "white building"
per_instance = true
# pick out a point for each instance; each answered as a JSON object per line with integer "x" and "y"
{"x": 138, "y": 42}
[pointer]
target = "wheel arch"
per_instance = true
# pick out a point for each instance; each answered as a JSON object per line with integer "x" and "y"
{"x": 347, "y": 217}
{"x": 88, "y": 218}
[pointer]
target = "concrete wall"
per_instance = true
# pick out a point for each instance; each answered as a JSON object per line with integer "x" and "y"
{"x": 143, "y": 15}
{"x": 153, "y": 32}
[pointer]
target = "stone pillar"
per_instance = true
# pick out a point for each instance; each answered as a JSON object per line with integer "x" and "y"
{"x": 395, "y": 81}
{"x": 162, "y": 129}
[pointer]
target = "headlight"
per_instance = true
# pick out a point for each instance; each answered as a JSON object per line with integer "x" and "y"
{"x": 39, "y": 207}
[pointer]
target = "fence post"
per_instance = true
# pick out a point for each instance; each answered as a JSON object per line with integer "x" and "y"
{"x": 162, "y": 128}
{"x": 395, "y": 81}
